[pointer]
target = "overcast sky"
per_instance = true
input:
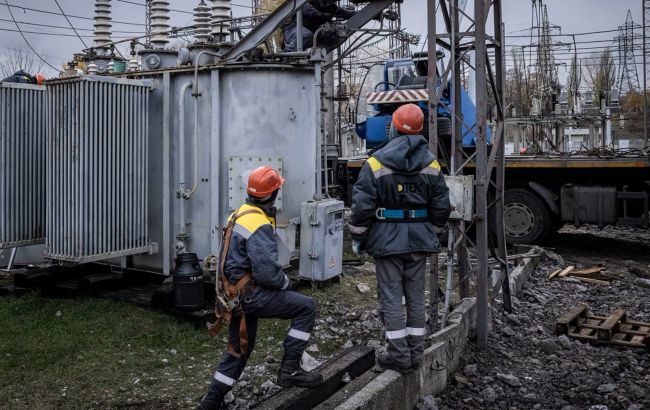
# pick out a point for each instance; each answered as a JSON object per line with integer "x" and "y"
{"x": 573, "y": 16}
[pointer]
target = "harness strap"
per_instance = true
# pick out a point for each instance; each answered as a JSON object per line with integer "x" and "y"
{"x": 232, "y": 291}
{"x": 407, "y": 215}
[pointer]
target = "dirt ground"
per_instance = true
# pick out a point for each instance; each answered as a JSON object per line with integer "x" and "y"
{"x": 528, "y": 367}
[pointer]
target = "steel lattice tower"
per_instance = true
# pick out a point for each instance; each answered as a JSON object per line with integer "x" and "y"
{"x": 628, "y": 77}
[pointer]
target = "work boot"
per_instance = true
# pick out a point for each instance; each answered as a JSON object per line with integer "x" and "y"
{"x": 210, "y": 402}
{"x": 385, "y": 361}
{"x": 291, "y": 374}
{"x": 416, "y": 362}
{"x": 213, "y": 400}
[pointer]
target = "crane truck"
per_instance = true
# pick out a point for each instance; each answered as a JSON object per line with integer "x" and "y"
{"x": 543, "y": 191}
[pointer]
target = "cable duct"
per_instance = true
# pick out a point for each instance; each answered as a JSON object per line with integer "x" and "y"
{"x": 159, "y": 23}
{"x": 220, "y": 12}
{"x": 103, "y": 27}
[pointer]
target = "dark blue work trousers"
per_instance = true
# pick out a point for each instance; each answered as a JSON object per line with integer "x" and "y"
{"x": 266, "y": 303}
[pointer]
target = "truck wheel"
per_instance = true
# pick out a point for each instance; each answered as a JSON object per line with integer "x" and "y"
{"x": 525, "y": 217}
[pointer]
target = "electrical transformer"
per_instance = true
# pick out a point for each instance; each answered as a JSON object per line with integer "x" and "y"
{"x": 321, "y": 239}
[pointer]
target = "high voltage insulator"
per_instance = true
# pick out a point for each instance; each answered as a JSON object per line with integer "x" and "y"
{"x": 159, "y": 23}
{"x": 202, "y": 23}
{"x": 220, "y": 12}
{"x": 102, "y": 26}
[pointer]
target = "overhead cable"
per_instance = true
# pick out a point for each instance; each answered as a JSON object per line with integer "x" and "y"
{"x": 25, "y": 38}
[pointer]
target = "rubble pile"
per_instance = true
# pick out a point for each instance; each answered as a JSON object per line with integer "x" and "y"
{"x": 528, "y": 367}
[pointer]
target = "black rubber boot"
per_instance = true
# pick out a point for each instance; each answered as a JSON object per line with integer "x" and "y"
{"x": 213, "y": 400}
{"x": 291, "y": 374}
{"x": 415, "y": 363}
{"x": 386, "y": 362}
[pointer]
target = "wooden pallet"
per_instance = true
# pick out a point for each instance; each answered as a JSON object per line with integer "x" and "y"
{"x": 615, "y": 329}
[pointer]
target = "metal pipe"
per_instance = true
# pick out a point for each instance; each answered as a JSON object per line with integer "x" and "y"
{"x": 299, "y": 30}
{"x": 181, "y": 193}
{"x": 196, "y": 96}
{"x": 319, "y": 132}
{"x": 218, "y": 217}
{"x": 166, "y": 194}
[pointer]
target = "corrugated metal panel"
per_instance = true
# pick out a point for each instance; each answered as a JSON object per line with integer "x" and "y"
{"x": 97, "y": 133}
{"x": 22, "y": 171}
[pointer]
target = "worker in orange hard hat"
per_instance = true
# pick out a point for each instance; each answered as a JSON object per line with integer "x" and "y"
{"x": 399, "y": 203}
{"x": 249, "y": 266}
{"x": 24, "y": 78}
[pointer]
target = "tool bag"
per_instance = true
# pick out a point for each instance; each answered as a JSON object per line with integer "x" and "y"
{"x": 227, "y": 295}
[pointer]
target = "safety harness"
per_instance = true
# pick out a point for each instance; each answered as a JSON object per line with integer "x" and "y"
{"x": 227, "y": 295}
{"x": 401, "y": 215}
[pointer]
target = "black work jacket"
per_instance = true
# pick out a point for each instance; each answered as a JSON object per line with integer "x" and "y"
{"x": 401, "y": 175}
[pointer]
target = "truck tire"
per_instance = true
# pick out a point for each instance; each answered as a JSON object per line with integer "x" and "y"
{"x": 526, "y": 219}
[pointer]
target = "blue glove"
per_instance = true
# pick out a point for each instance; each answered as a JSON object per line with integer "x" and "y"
{"x": 357, "y": 247}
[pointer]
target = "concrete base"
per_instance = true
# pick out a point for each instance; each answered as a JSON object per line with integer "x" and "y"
{"x": 521, "y": 273}
{"x": 390, "y": 390}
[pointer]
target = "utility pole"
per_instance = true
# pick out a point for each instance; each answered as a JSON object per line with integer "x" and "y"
{"x": 432, "y": 79}
{"x": 646, "y": 33}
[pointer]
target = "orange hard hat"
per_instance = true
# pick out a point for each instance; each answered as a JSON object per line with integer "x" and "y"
{"x": 408, "y": 119}
{"x": 263, "y": 181}
{"x": 40, "y": 78}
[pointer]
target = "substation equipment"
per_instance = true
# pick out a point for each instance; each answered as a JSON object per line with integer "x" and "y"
{"x": 139, "y": 166}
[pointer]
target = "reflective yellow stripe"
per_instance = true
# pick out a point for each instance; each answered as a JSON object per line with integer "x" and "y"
{"x": 375, "y": 165}
{"x": 435, "y": 165}
{"x": 252, "y": 222}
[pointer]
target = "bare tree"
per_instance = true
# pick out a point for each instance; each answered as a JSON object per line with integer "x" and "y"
{"x": 574, "y": 81}
{"x": 518, "y": 85}
{"x": 601, "y": 74}
{"x": 19, "y": 58}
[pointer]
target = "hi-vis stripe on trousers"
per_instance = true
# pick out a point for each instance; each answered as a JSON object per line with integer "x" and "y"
{"x": 397, "y": 276}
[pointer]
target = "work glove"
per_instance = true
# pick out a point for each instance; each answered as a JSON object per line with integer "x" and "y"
{"x": 357, "y": 247}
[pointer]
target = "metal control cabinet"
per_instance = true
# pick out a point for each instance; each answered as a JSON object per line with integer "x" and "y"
{"x": 321, "y": 239}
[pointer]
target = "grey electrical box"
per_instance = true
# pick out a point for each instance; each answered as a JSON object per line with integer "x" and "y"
{"x": 321, "y": 239}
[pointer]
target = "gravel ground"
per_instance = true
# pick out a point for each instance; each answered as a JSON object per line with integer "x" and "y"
{"x": 527, "y": 366}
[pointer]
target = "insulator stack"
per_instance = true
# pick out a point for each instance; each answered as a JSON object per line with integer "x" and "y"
{"x": 220, "y": 12}
{"x": 134, "y": 65}
{"x": 202, "y": 23}
{"x": 102, "y": 27}
{"x": 91, "y": 69}
{"x": 159, "y": 23}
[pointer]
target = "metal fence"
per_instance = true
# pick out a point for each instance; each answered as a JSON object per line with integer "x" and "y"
{"x": 97, "y": 137}
{"x": 22, "y": 165}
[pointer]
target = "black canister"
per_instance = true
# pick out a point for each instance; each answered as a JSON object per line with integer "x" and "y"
{"x": 188, "y": 282}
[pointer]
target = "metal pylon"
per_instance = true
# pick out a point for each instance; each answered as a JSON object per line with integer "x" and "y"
{"x": 628, "y": 76}
{"x": 486, "y": 162}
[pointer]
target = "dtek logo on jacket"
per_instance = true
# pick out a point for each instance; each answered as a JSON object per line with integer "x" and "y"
{"x": 410, "y": 188}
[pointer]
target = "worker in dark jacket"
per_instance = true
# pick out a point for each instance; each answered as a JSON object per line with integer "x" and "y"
{"x": 399, "y": 203}
{"x": 314, "y": 14}
{"x": 253, "y": 249}
{"x": 23, "y": 77}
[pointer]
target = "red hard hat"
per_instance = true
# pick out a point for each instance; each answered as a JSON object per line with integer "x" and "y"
{"x": 263, "y": 181}
{"x": 408, "y": 119}
{"x": 40, "y": 78}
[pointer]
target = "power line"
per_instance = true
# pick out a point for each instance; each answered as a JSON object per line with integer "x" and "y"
{"x": 45, "y": 33}
{"x": 586, "y": 33}
{"x": 25, "y": 38}
{"x": 69, "y": 15}
{"x": 71, "y": 26}
{"x": 185, "y": 11}
{"x": 67, "y": 28}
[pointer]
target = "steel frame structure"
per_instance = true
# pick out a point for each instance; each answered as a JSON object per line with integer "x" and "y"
{"x": 488, "y": 163}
